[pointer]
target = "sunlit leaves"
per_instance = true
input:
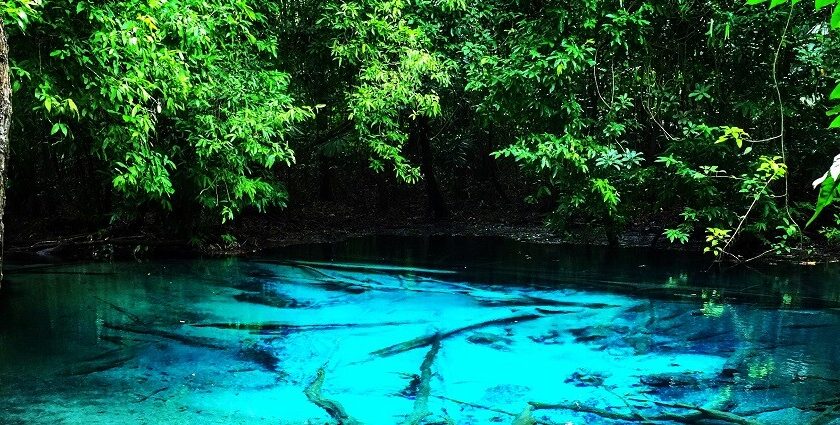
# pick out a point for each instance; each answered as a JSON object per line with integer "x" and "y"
{"x": 823, "y": 3}
{"x": 733, "y": 133}
{"x": 716, "y": 239}
{"x": 398, "y": 74}
{"x": 152, "y": 84}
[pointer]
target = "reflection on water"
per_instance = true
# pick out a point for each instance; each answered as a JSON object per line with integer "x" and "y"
{"x": 450, "y": 330}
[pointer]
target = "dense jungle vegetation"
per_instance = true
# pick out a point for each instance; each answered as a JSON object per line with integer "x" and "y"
{"x": 707, "y": 119}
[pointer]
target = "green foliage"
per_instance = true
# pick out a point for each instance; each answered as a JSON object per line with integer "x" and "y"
{"x": 398, "y": 72}
{"x": 707, "y": 116}
{"x": 173, "y": 96}
{"x": 21, "y": 12}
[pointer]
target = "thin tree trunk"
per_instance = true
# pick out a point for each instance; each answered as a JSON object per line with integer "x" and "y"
{"x": 5, "y": 123}
{"x": 489, "y": 163}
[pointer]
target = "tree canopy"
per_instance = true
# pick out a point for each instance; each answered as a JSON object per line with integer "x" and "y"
{"x": 709, "y": 118}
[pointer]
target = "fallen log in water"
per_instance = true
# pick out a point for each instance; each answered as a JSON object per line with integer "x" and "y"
{"x": 370, "y": 284}
{"x": 333, "y": 408}
{"x": 424, "y": 389}
{"x": 701, "y": 412}
{"x": 529, "y": 300}
{"x": 698, "y": 414}
{"x": 430, "y": 339}
{"x": 184, "y": 339}
{"x": 525, "y": 418}
{"x": 97, "y": 365}
{"x": 516, "y": 416}
{"x": 275, "y": 327}
{"x": 578, "y": 407}
{"x": 375, "y": 267}
{"x": 134, "y": 318}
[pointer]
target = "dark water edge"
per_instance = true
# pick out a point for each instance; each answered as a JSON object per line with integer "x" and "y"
{"x": 474, "y": 328}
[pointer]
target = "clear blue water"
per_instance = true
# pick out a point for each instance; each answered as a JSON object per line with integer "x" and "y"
{"x": 611, "y": 336}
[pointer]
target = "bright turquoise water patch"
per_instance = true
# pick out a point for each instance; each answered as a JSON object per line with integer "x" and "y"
{"x": 464, "y": 331}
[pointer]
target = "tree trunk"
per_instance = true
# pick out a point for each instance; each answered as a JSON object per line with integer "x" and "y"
{"x": 489, "y": 164}
{"x": 5, "y": 123}
{"x": 420, "y": 134}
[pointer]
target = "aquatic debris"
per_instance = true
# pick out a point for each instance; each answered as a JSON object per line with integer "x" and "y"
{"x": 134, "y": 318}
{"x": 262, "y": 354}
{"x": 585, "y": 378}
{"x": 671, "y": 380}
{"x": 698, "y": 414}
{"x": 579, "y": 407}
{"x": 269, "y": 328}
{"x": 525, "y": 418}
{"x": 98, "y": 364}
{"x": 530, "y": 300}
{"x": 424, "y": 387}
{"x": 702, "y": 413}
{"x": 184, "y": 339}
{"x": 587, "y": 334}
{"x": 252, "y": 285}
{"x": 338, "y": 286}
{"x": 809, "y": 325}
{"x": 142, "y": 398}
{"x": 429, "y": 339}
{"x": 516, "y": 416}
{"x": 353, "y": 284}
{"x": 261, "y": 272}
{"x": 374, "y": 267}
{"x": 498, "y": 342}
{"x": 737, "y": 363}
{"x": 333, "y": 408}
{"x": 271, "y": 300}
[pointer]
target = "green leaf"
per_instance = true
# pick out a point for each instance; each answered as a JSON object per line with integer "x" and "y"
{"x": 827, "y": 192}
{"x": 835, "y": 17}
{"x": 775, "y": 3}
{"x": 72, "y": 106}
{"x": 55, "y": 129}
{"x": 835, "y": 94}
{"x": 823, "y": 3}
{"x": 835, "y": 123}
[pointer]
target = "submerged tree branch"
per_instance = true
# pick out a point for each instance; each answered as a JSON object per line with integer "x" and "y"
{"x": 421, "y": 401}
{"x": 439, "y": 336}
{"x": 333, "y": 408}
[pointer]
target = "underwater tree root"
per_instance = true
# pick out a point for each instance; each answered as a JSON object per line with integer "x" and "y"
{"x": 421, "y": 400}
{"x": 333, "y": 408}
